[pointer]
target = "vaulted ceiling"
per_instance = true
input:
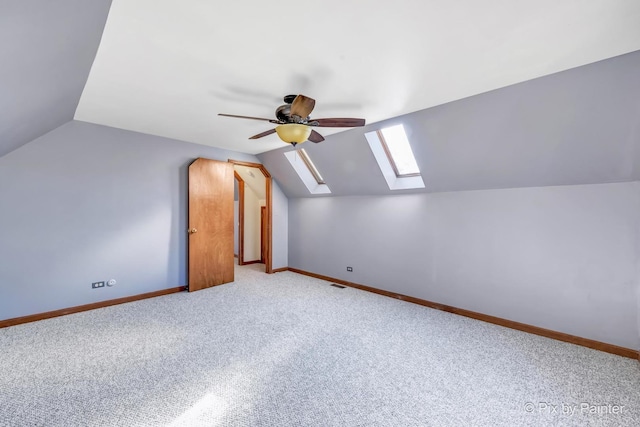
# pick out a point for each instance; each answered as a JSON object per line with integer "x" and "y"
{"x": 167, "y": 68}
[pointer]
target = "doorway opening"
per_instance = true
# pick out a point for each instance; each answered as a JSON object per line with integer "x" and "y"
{"x": 253, "y": 218}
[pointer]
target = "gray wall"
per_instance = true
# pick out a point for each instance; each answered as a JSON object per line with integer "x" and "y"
{"x": 280, "y": 223}
{"x": 562, "y": 258}
{"x": 47, "y": 49}
{"x": 86, "y": 203}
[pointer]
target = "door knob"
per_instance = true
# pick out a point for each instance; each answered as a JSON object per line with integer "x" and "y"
{"x": 192, "y": 230}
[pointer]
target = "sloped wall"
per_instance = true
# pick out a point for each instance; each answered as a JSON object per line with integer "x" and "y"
{"x": 562, "y": 258}
{"x": 580, "y": 126}
{"x": 47, "y": 49}
{"x": 87, "y": 203}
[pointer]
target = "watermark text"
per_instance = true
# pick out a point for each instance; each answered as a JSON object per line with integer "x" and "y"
{"x": 571, "y": 409}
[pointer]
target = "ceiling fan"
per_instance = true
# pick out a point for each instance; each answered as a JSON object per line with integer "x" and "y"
{"x": 294, "y": 123}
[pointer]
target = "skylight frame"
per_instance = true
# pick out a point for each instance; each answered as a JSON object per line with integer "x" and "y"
{"x": 312, "y": 168}
{"x": 304, "y": 172}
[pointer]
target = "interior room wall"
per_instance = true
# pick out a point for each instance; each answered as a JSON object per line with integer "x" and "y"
{"x": 251, "y": 225}
{"x": 280, "y": 224}
{"x": 562, "y": 258}
{"x": 87, "y": 203}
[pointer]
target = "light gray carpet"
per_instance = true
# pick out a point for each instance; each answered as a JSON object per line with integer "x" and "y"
{"x": 288, "y": 350}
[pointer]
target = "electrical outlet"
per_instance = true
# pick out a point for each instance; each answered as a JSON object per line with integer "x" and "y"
{"x": 96, "y": 285}
{"x": 349, "y": 268}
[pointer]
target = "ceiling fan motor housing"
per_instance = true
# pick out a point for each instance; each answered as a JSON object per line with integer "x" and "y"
{"x": 283, "y": 113}
{"x": 288, "y": 99}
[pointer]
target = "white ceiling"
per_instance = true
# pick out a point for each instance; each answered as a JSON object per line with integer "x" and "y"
{"x": 254, "y": 178}
{"x": 168, "y": 67}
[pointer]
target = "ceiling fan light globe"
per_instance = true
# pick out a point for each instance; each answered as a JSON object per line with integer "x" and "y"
{"x": 293, "y": 133}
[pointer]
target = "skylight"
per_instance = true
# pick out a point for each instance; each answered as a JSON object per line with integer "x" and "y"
{"x": 307, "y": 171}
{"x": 393, "y": 153}
{"x": 398, "y": 150}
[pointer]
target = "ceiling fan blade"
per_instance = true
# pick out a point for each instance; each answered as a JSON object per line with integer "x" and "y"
{"x": 302, "y": 106}
{"x": 265, "y": 133}
{"x": 340, "y": 123}
{"x": 315, "y": 137}
{"x": 249, "y": 117}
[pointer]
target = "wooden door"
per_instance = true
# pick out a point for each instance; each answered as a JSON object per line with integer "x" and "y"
{"x": 210, "y": 224}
